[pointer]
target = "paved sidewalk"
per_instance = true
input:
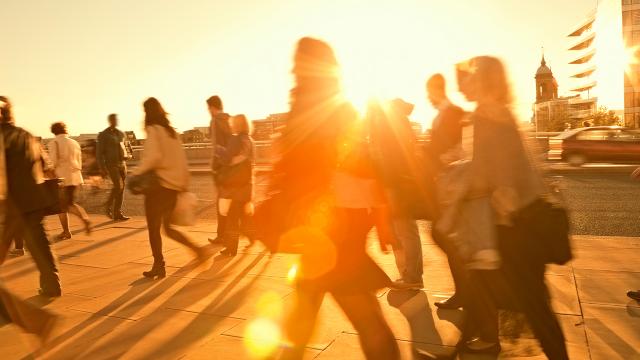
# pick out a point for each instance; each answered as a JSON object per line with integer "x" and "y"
{"x": 226, "y": 308}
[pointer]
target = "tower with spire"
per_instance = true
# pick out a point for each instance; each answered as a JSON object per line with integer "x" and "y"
{"x": 546, "y": 85}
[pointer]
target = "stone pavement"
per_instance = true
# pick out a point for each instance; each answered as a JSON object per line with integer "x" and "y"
{"x": 228, "y": 308}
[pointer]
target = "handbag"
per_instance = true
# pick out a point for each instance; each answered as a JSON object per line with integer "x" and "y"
{"x": 143, "y": 183}
{"x": 53, "y": 191}
{"x": 184, "y": 213}
{"x": 546, "y": 229}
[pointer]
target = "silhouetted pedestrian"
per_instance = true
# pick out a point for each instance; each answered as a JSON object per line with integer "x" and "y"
{"x": 65, "y": 157}
{"x": 112, "y": 154}
{"x": 164, "y": 156}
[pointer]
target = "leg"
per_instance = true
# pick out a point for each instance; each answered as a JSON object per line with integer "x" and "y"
{"x": 406, "y": 230}
{"x": 64, "y": 221}
{"x": 364, "y": 312}
{"x": 456, "y": 265}
{"x": 525, "y": 276}
{"x": 30, "y": 318}
{"x": 115, "y": 180}
{"x": 232, "y": 232}
{"x": 169, "y": 198}
{"x": 77, "y": 210}
{"x": 38, "y": 245}
{"x": 300, "y": 322}
{"x": 153, "y": 213}
{"x": 118, "y": 175}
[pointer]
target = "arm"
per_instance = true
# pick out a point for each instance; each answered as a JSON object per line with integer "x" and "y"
{"x": 100, "y": 153}
{"x": 53, "y": 154}
{"x": 244, "y": 154}
{"x": 152, "y": 153}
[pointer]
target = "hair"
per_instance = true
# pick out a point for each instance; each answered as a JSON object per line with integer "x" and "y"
{"x": 6, "y": 115}
{"x": 245, "y": 124}
{"x": 316, "y": 72}
{"x": 490, "y": 75}
{"x": 215, "y": 102}
{"x": 112, "y": 116}
{"x": 436, "y": 82}
{"x": 155, "y": 115}
{"x": 59, "y": 128}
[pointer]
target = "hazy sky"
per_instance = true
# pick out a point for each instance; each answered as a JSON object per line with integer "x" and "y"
{"x": 79, "y": 60}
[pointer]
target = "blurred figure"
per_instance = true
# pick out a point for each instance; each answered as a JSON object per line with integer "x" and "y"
{"x": 26, "y": 198}
{"x": 326, "y": 172}
{"x": 65, "y": 157}
{"x": 446, "y": 135}
{"x": 394, "y": 149}
{"x": 635, "y": 294}
{"x": 112, "y": 155}
{"x": 235, "y": 182}
{"x": 502, "y": 170}
{"x": 220, "y": 133}
{"x": 163, "y": 155}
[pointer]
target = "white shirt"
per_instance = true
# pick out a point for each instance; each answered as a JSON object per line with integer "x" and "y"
{"x": 165, "y": 156}
{"x": 65, "y": 156}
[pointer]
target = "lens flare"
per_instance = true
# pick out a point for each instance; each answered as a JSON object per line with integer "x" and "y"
{"x": 269, "y": 305}
{"x": 262, "y": 338}
{"x": 292, "y": 273}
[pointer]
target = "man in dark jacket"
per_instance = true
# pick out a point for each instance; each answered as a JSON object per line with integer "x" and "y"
{"x": 111, "y": 155}
{"x": 220, "y": 133}
{"x": 446, "y": 135}
{"x": 27, "y": 198}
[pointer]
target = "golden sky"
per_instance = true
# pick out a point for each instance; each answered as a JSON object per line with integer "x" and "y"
{"x": 79, "y": 60}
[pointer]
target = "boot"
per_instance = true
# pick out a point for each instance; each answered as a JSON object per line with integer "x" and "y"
{"x": 157, "y": 270}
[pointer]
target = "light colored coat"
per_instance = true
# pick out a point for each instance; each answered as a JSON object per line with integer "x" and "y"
{"x": 65, "y": 156}
{"x": 165, "y": 156}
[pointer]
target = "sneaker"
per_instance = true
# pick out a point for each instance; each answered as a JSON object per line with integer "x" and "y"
{"x": 63, "y": 236}
{"x": 16, "y": 252}
{"x": 402, "y": 284}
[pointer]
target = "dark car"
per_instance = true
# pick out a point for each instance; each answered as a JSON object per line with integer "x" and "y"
{"x": 596, "y": 144}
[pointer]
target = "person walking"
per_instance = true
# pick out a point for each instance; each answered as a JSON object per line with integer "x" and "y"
{"x": 235, "y": 183}
{"x": 446, "y": 135}
{"x": 164, "y": 156}
{"x": 111, "y": 154}
{"x": 502, "y": 172}
{"x": 220, "y": 134}
{"x": 26, "y": 198}
{"x": 65, "y": 157}
{"x": 393, "y": 145}
{"x": 321, "y": 170}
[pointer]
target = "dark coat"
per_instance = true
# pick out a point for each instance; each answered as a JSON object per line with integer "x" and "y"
{"x": 24, "y": 169}
{"x": 446, "y": 133}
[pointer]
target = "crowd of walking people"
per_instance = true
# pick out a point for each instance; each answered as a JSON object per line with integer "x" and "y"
{"x": 336, "y": 176}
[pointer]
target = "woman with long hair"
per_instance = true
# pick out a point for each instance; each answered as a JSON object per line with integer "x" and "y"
{"x": 503, "y": 171}
{"x": 235, "y": 183}
{"x": 330, "y": 181}
{"x": 163, "y": 154}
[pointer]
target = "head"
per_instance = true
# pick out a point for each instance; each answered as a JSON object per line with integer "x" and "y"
{"x": 436, "y": 90}
{"x": 240, "y": 125}
{"x": 6, "y": 115}
{"x": 483, "y": 80}
{"x": 401, "y": 107}
{"x": 59, "y": 128}
{"x": 154, "y": 114}
{"x": 214, "y": 104}
{"x": 113, "y": 120}
{"x": 316, "y": 70}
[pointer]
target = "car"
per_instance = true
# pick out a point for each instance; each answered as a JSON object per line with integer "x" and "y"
{"x": 596, "y": 144}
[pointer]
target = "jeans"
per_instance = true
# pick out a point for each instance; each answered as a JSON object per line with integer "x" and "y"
{"x": 118, "y": 174}
{"x": 409, "y": 257}
{"x": 159, "y": 206}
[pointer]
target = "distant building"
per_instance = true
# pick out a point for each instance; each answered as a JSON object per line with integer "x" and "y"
{"x": 264, "y": 129}
{"x": 193, "y": 136}
{"x": 631, "y": 38}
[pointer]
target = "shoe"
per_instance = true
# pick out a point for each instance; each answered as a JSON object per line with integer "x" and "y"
{"x": 121, "y": 217}
{"x": 635, "y": 295}
{"x": 63, "y": 236}
{"x": 227, "y": 252}
{"x": 87, "y": 226}
{"x": 16, "y": 252}
{"x": 218, "y": 240}
{"x": 452, "y": 303}
{"x": 50, "y": 293}
{"x": 479, "y": 346}
{"x": 157, "y": 271}
{"x": 401, "y": 284}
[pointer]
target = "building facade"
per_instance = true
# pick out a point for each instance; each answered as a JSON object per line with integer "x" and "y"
{"x": 631, "y": 37}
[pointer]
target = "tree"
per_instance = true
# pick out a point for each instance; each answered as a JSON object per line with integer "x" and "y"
{"x": 602, "y": 117}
